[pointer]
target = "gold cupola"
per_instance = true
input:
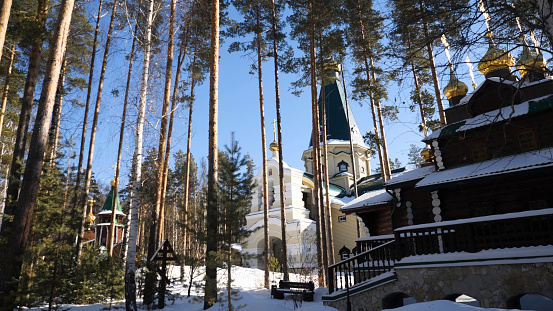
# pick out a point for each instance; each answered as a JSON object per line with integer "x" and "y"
{"x": 90, "y": 218}
{"x": 273, "y": 146}
{"x": 529, "y": 60}
{"x": 496, "y": 62}
{"x": 455, "y": 89}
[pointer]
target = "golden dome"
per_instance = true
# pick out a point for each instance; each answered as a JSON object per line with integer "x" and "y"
{"x": 112, "y": 183}
{"x": 495, "y": 58}
{"x": 454, "y": 87}
{"x": 273, "y": 146}
{"x": 529, "y": 60}
{"x": 90, "y": 218}
{"x": 427, "y": 154}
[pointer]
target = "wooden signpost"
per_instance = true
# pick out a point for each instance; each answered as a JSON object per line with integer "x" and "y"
{"x": 164, "y": 253}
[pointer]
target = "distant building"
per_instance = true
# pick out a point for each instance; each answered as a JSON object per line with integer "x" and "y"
{"x": 300, "y": 227}
{"x": 99, "y": 225}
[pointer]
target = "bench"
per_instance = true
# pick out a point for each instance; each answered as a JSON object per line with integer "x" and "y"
{"x": 306, "y": 289}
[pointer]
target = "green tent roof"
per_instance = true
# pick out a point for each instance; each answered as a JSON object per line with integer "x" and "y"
{"x": 336, "y": 117}
{"x": 109, "y": 202}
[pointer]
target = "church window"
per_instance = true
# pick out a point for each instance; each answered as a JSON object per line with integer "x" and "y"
{"x": 362, "y": 169}
{"x": 527, "y": 140}
{"x": 341, "y": 218}
{"x": 343, "y": 166}
{"x": 270, "y": 172}
{"x": 479, "y": 152}
{"x": 344, "y": 253}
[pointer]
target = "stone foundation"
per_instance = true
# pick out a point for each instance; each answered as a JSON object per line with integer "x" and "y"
{"x": 491, "y": 285}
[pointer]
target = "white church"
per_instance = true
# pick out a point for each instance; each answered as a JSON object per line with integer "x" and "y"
{"x": 300, "y": 226}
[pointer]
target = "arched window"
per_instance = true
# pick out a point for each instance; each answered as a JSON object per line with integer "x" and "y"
{"x": 343, "y": 166}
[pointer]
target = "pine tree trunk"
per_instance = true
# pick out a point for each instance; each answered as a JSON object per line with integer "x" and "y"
{"x": 6, "y": 88}
{"x": 189, "y": 155}
{"x": 4, "y": 18}
{"x": 316, "y": 144}
{"x": 435, "y": 80}
{"x": 322, "y": 174}
{"x": 213, "y": 163}
{"x": 328, "y": 207}
{"x": 94, "y": 128}
{"x": 180, "y": 60}
{"x": 351, "y": 150}
{"x": 14, "y": 181}
{"x": 77, "y": 199}
{"x": 24, "y": 214}
{"x": 265, "y": 187}
{"x": 56, "y": 118}
{"x": 385, "y": 158}
{"x": 159, "y": 204}
{"x": 130, "y": 285}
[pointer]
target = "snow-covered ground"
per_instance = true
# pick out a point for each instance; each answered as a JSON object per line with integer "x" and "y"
{"x": 250, "y": 295}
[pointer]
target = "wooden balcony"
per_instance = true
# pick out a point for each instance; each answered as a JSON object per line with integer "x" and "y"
{"x": 523, "y": 229}
{"x": 530, "y": 228}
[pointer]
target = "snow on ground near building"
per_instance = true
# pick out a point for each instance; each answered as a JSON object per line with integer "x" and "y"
{"x": 252, "y": 297}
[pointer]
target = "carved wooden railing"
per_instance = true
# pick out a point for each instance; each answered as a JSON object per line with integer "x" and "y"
{"x": 531, "y": 228}
{"x": 361, "y": 267}
{"x": 365, "y": 244}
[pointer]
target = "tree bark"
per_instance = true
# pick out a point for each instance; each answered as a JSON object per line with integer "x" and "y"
{"x": 352, "y": 151}
{"x": 435, "y": 80}
{"x": 213, "y": 163}
{"x": 328, "y": 207}
{"x": 180, "y": 60}
{"x": 265, "y": 187}
{"x": 12, "y": 192}
{"x": 159, "y": 204}
{"x": 316, "y": 144}
{"x": 95, "y": 126}
{"x": 77, "y": 198}
{"x": 386, "y": 168}
{"x": 4, "y": 18}
{"x": 24, "y": 214}
{"x": 56, "y": 118}
{"x": 130, "y": 285}
{"x": 6, "y": 88}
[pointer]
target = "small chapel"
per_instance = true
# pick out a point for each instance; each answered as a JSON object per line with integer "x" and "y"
{"x": 299, "y": 184}
{"x": 98, "y": 229}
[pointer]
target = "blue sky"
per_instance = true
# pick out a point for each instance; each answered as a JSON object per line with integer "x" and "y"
{"x": 238, "y": 111}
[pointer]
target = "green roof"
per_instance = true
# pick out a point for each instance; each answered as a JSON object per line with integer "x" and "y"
{"x": 336, "y": 118}
{"x": 109, "y": 202}
{"x": 333, "y": 190}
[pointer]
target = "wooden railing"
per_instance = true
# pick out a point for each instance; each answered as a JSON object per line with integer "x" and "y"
{"x": 532, "y": 228}
{"x": 361, "y": 267}
{"x": 365, "y": 244}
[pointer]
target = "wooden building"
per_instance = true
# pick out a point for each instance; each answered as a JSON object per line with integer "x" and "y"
{"x": 487, "y": 183}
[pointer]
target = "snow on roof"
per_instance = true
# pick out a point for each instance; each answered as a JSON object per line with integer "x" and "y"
{"x": 410, "y": 175}
{"x": 509, "y": 164}
{"x": 108, "y": 212}
{"x": 496, "y": 115}
{"x": 341, "y": 201}
{"x": 370, "y": 198}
